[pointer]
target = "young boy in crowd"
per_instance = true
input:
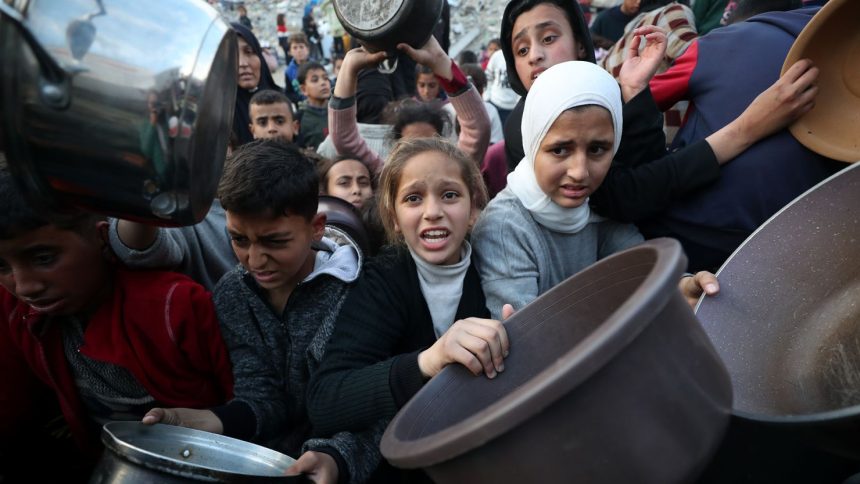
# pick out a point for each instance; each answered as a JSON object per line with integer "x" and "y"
{"x": 313, "y": 111}
{"x": 106, "y": 343}
{"x": 277, "y": 309}
{"x": 299, "y": 50}
{"x": 271, "y": 114}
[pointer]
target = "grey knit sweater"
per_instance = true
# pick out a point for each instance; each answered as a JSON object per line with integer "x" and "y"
{"x": 274, "y": 354}
{"x": 519, "y": 259}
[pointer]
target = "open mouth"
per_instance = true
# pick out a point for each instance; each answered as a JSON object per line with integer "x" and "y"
{"x": 435, "y": 236}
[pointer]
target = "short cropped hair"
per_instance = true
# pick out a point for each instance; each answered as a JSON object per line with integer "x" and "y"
{"x": 18, "y": 216}
{"x": 298, "y": 38}
{"x": 267, "y": 97}
{"x": 306, "y": 68}
{"x": 269, "y": 178}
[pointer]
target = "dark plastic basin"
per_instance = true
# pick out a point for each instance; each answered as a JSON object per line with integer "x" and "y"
{"x": 787, "y": 319}
{"x": 610, "y": 379}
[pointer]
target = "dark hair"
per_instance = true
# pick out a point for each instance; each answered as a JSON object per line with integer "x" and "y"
{"x": 298, "y": 38}
{"x": 422, "y": 69}
{"x": 649, "y": 5}
{"x": 749, "y": 8}
{"x": 403, "y": 113}
{"x": 495, "y": 40}
{"x": 324, "y": 165}
{"x": 267, "y": 97}
{"x": 476, "y": 75}
{"x": 19, "y": 216}
{"x": 305, "y": 68}
{"x": 280, "y": 19}
{"x": 467, "y": 57}
{"x": 269, "y": 177}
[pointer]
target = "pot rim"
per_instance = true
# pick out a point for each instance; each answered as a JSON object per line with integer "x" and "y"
{"x": 571, "y": 369}
{"x": 126, "y": 451}
{"x": 372, "y": 37}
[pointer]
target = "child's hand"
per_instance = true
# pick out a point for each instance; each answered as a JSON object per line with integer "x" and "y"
{"x": 480, "y": 345}
{"x": 185, "y": 417}
{"x": 693, "y": 286}
{"x": 358, "y": 59}
{"x": 319, "y": 467}
{"x": 639, "y": 67}
{"x": 430, "y": 55}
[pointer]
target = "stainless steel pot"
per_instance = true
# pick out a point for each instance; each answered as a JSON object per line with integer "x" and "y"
{"x": 137, "y": 453}
{"x": 382, "y": 24}
{"x": 115, "y": 106}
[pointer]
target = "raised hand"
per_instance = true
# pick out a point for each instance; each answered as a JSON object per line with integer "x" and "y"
{"x": 430, "y": 55}
{"x": 640, "y": 67}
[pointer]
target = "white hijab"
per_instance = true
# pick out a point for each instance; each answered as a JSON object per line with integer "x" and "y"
{"x": 559, "y": 88}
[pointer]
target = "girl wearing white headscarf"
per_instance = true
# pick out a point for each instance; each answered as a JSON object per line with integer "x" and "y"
{"x": 531, "y": 238}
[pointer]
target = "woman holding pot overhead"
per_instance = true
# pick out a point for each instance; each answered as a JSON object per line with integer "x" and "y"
{"x": 252, "y": 76}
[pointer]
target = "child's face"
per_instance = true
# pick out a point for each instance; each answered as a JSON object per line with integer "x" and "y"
{"x": 317, "y": 85}
{"x": 543, "y": 37}
{"x": 299, "y": 51}
{"x": 249, "y": 66}
{"x": 336, "y": 68}
{"x": 492, "y": 48}
{"x": 276, "y": 251}
{"x": 272, "y": 121}
{"x": 575, "y": 155}
{"x": 427, "y": 86}
{"x": 55, "y": 271}
{"x": 350, "y": 181}
{"x": 433, "y": 208}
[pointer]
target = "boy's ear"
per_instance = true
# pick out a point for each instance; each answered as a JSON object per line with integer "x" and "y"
{"x": 303, "y": 90}
{"x": 103, "y": 230}
{"x": 251, "y": 129}
{"x": 318, "y": 224}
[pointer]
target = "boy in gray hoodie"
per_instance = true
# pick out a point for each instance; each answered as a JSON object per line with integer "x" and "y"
{"x": 277, "y": 310}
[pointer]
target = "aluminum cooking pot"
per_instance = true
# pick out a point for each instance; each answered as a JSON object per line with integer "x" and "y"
{"x": 382, "y": 24}
{"x": 610, "y": 379}
{"x": 167, "y": 454}
{"x": 787, "y": 319}
{"x": 118, "y": 107}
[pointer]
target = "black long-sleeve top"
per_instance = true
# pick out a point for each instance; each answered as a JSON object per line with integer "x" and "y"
{"x": 370, "y": 368}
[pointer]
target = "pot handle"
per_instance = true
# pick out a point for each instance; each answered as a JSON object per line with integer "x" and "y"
{"x": 388, "y": 66}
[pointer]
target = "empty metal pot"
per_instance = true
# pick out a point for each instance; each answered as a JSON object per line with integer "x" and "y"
{"x": 137, "y": 453}
{"x": 382, "y": 24}
{"x": 610, "y": 379}
{"x": 787, "y": 319}
{"x": 119, "y": 107}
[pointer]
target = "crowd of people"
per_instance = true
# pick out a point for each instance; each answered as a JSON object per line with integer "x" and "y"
{"x": 257, "y": 324}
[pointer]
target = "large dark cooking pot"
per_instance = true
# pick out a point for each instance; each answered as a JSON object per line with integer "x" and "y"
{"x": 136, "y": 453}
{"x": 787, "y": 319}
{"x": 116, "y": 106}
{"x": 382, "y": 24}
{"x": 610, "y": 379}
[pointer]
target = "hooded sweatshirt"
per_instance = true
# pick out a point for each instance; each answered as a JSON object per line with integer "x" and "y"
{"x": 274, "y": 353}
{"x": 762, "y": 179}
{"x": 643, "y": 179}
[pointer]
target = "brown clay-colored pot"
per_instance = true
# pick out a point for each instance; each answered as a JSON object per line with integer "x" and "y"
{"x": 610, "y": 379}
{"x": 787, "y": 319}
{"x": 832, "y": 40}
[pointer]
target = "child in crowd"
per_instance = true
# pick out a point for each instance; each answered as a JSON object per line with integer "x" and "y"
{"x": 644, "y": 180}
{"x": 474, "y": 123}
{"x": 336, "y": 63}
{"x": 313, "y": 111}
{"x": 299, "y": 50}
{"x": 427, "y": 88}
{"x": 540, "y": 230}
{"x": 418, "y": 306}
{"x": 347, "y": 178}
{"x": 492, "y": 46}
{"x": 106, "y": 343}
{"x": 277, "y": 307}
{"x": 271, "y": 116}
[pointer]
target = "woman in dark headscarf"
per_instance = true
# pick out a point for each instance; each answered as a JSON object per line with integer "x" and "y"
{"x": 252, "y": 76}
